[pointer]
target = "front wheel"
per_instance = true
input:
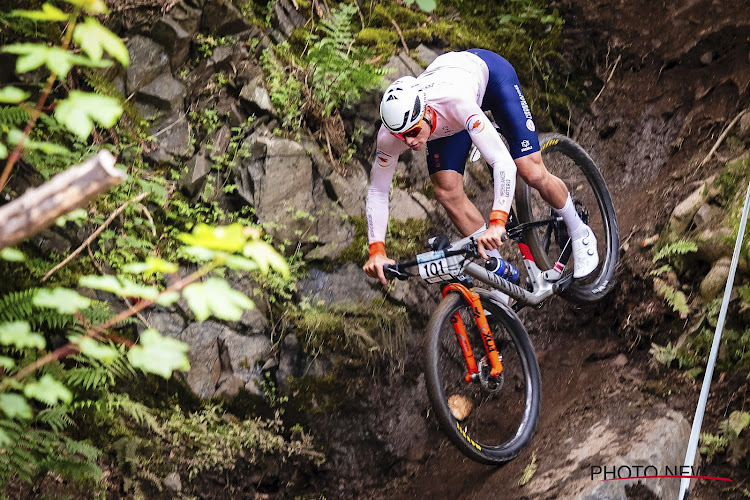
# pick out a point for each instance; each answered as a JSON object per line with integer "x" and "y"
{"x": 565, "y": 159}
{"x": 489, "y": 419}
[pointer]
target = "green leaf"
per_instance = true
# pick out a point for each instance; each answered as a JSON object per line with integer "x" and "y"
{"x": 230, "y": 238}
{"x": 151, "y": 266}
{"x": 240, "y": 263}
{"x": 15, "y": 405}
{"x": 50, "y": 148}
{"x": 158, "y": 354}
{"x": 78, "y": 216}
{"x": 57, "y": 60}
{"x": 94, "y": 39}
{"x": 94, "y": 349}
{"x": 427, "y": 5}
{"x": 48, "y": 13}
{"x": 3, "y": 151}
{"x": 215, "y": 296}
{"x": 91, "y": 6}
{"x": 12, "y": 255}
{"x": 168, "y": 298}
{"x": 265, "y": 255}
{"x": 64, "y": 300}
{"x": 19, "y": 335}
{"x": 81, "y": 109}
{"x": 48, "y": 390}
{"x": 13, "y": 95}
{"x": 7, "y": 363}
{"x": 200, "y": 254}
{"x": 119, "y": 286}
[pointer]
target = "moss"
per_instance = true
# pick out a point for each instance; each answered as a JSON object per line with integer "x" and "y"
{"x": 371, "y": 332}
{"x": 382, "y": 41}
{"x": 733, "y": 176}
{"x": 403, "y": 239}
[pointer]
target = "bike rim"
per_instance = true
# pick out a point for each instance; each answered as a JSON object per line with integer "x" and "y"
{"x": 590, "y": 202}
{"x": 489, "y": 419}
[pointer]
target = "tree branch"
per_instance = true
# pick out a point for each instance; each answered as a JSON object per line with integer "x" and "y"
{"x": 39, "y": 207}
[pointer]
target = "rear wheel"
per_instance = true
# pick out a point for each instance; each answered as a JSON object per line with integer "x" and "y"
{"x": 565, "y": 159}
{"x": 489, "y": 419}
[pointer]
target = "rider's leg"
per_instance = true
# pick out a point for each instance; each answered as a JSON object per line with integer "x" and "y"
{"x": 553, "y": 190}
{"x": 449, "y": 192}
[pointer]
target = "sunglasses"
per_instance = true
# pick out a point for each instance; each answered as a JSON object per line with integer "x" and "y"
{"x": 412, "y": 132}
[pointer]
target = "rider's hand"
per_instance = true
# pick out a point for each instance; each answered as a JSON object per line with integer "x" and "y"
{"x": 491, "y": 238}
{"x": 374, "y": 267}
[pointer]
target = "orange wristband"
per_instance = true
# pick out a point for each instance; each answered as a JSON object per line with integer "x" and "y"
{"x": 498, "y": 218}
{"x": 377, "y": 248}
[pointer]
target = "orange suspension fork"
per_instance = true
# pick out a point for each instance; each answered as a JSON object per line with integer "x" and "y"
{"x": 496, "y": 366}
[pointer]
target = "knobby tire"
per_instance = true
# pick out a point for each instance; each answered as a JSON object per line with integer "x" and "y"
{"x": 500, "y": 423}
{"x": 564, "y": 158}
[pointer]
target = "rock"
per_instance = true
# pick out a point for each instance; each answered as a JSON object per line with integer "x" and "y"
{"x": 165, "y": 321}
{"x": 222, "y": 360}
{"x": 221, "y": 58}
{"x": 148, "y": 60}
{"x": 219, "y": 142}
{"x": 658, "y": 441}
{"x": 175, "y": 39}
{"x": 287, "y": 18}
{"x": 406, "y": 206}
{"x": 188, "y": 16}
{"x": 198, "y": 169}
{"x": 173, "y": 138}
{"x": 707, "y": 58}
{"x": 707, "y": 215}
{"x": 254, "y": 322}
{"x": 743, "y": 127}
{"x": 334, "y": 233}
{"x": 350, "y": 192}
{"x": 221, "y": 18}
{"x": 715, "y": 281}
{"x": 401, "y": 65}
{"x": 621, "y": 360}
{"x": 683, "y": 213}
{"x": 714, "y": 243}
{"x": 426, "y": 54}
{"x": 256, "y": 95}
{"x": 346, "y": 284}
{"x": 164, "y": 92}
{"x": 173, "y": 482}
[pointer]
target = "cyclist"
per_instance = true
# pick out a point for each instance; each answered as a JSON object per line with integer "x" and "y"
{"x": 443, "y": 109}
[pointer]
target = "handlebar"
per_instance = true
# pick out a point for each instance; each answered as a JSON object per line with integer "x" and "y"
{"x": 398, "y": 270}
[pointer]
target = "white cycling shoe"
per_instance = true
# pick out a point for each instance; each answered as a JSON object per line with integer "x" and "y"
{"x": 585, "y": 257}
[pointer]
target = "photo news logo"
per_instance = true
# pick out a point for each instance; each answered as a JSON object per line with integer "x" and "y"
{"x": 620, "y": 472}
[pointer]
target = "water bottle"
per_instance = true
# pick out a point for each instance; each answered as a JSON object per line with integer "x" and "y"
{"x": 504, "y": 269}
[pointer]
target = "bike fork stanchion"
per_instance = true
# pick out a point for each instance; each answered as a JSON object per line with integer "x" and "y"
{"x": 472, "y": 298}
{"x": 701, "y": 409}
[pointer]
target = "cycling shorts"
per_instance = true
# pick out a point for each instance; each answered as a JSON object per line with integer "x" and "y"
{"x": 503, "y": 97}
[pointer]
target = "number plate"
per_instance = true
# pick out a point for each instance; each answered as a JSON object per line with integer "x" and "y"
{"x": 434, "y": 267}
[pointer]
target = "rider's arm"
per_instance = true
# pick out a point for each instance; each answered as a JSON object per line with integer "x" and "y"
{"x": 489, "y": 143}
{"x": 388, "y": 149}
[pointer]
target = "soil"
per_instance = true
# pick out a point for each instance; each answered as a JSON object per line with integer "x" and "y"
{"x": 666, "y": 79}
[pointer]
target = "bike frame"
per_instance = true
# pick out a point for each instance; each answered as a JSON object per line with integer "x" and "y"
{"x": 541, "y": 290}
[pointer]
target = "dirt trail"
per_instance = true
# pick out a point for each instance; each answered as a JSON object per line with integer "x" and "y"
{"x": 679, "y": 74}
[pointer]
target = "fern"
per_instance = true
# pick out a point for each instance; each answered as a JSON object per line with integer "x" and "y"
{"x": 675, "y": 298}
{"x": 340, "y": 75}
{"x": 681, "y": 247}
{"x": 56, "y": 417}
{"x": 13, "y": 116}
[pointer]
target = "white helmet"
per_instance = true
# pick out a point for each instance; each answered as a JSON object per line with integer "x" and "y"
{"x": 403, "y": 104}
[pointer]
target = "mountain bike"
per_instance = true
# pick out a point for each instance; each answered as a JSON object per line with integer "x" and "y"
{"x": 481, "y": 370}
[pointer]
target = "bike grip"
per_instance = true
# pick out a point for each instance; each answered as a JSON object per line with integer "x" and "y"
{"x": 394, "y": 271}
{"x": 504, "y": 237}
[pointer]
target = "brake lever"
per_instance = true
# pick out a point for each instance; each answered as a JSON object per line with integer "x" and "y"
{"x": 395, "y": 271}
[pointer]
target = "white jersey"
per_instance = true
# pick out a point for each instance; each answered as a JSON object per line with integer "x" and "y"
{"x": 454, "y": 84}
